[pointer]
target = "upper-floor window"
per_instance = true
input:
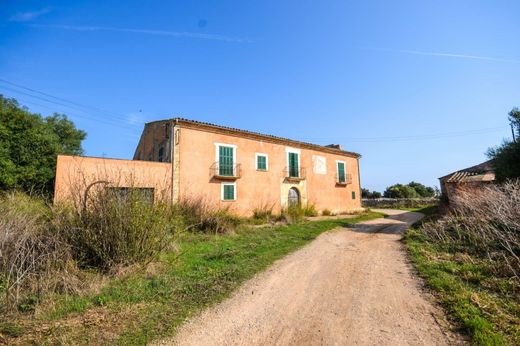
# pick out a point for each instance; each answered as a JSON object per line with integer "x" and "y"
{"x": 261, "y": 162}
{"x": 293, "y": 162}
{"x": 226, "y": 159}
{"x": 161, "y": 154}
{"x": 342, "y": 177}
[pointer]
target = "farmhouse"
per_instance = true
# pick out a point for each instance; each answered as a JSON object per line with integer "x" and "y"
{"x": 242, "y": 170}
{"x": 475, "y": 177}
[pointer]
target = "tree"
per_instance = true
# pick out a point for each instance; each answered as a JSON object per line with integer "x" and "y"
{"x": 29, "y": 145}
{"x": 514, "y": 118}
{"x": 365, "y": 193}
{"x": 506, "y": 160}
{"x": 422, "y": 190}
{"x": 506, "y": 157}
{"x": 400, "y": 191}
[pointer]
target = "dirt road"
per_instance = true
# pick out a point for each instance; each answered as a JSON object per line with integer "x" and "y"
{"x": 348, "y": 287}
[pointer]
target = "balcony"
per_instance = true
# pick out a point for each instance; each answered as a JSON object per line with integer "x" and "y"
{"x": 344, "y": 181}
{"x": 295, "y": 174}
{"x": 224, "y": 171}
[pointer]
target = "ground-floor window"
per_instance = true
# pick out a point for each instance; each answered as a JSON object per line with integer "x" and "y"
{"x": 125, "y": 194}
{"x": 228, "y": 191}
{"x": 353, "y": 194}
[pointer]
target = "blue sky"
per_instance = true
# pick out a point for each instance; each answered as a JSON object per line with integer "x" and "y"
{"x": 419, "y": 88}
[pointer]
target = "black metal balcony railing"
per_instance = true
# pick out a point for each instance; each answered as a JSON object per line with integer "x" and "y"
{"x": 225, "y": 171}
{"x": 295, "y": 173}
{"x": 344, "y": 179}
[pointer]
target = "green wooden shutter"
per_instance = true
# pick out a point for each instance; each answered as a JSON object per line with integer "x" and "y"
{"x": 229, "y": 192}
{"x": 293, "y": 165}
{"x": 341, "y": 172}
{"x": 353, "y": 194}
{"x": 225, "y": 161}
{"x": 261, "y": 162}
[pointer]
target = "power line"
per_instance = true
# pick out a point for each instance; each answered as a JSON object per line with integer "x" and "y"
{"x": 113, "y": 114}
{"x": 410, "y": 138}
{"x": 123, "y": 131}
{"x": 102, "y": 120}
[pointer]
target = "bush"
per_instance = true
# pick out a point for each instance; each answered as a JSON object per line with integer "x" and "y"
{"x": 485, "y": 222}
{"x": 197, "y": 216}
{"x": 326, "y": 212}
{"x": 309, "y": 210}
{"x": 263, "y": 212}
{"x": 297, "y": 213}
{"x": 32, "y": 256}
{"x": 114, "y": 229}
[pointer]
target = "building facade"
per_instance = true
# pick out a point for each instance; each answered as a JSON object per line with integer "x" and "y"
{"x": 245, "y": 170}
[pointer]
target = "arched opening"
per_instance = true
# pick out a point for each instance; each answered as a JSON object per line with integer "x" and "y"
{"x": 293, "y": 197}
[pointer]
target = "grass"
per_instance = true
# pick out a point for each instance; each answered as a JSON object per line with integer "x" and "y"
{"x": 151, "y": 303}
{"x": 484, "y": 306}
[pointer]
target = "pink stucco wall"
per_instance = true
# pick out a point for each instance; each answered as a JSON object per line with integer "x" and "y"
{"x": 197, "y": 152}
{"x": 75, "y": 173}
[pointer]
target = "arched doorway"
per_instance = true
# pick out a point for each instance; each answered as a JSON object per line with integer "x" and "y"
{"x": 293, "y": 197}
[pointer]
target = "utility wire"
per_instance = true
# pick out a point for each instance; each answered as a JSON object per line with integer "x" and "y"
{"x": 123, "y": 131}
{"x": 115, "y": 123}
{"x": 409, "y": 138}
{"x": 113, "y": 114}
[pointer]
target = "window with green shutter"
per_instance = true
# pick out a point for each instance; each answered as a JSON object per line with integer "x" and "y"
{"x": 225, "y": 160}
{"x": 228, "y": 192}
{"x": 294, "y": 171}
{"x": 341, "y": 172}
{"x": 353, "y": 194}
{"x": 261, "y": 162}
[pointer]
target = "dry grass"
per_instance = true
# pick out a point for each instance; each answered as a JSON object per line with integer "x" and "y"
{"x": 469, "y": 257}
{"x": 33, "y": 259}
{"x": 488, "y": 222}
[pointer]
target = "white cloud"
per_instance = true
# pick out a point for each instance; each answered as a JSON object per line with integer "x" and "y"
{"x": 29, "y": 15}
{"x": 439, "y": 54}
{"x": 148, "y": 32}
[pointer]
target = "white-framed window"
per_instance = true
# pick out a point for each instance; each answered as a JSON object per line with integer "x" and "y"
{"x": 293, "y": 162}
{"x": 226, "y": 159}
{"x": 228, "y": 191}
{"x": 341, "y": 172}
{"x": 261, "y": 162}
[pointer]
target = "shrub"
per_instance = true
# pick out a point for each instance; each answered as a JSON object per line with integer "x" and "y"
{"x": 32, "y": 256}
{"x": 309, "y": 210}
{"x": 263, "y": 212}
{"x": 197, "y": 216}
{"x": 485, "y": 222}
{"x": 296, "y": 213}
{"x": 113, "y": 229}
{"x": 326, "y": 212}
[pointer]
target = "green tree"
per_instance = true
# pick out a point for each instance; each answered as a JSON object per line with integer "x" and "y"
{"x": 514, "y": 118}
{"x": 506, "y": 157}
{"x": 400, "y": 191}
{"x": 422, "y": 190}
{"x": 366, "y": 193}
{"x": 29, "y": 145}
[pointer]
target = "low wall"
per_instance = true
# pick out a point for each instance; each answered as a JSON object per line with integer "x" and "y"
{"x": 398, "y": 202}
{"x": 76, "y": 174}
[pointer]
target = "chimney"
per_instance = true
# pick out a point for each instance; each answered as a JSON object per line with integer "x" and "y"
{"x": 334, "y": 146}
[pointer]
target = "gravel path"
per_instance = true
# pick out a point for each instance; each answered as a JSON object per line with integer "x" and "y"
{"x": 347, "y": 287}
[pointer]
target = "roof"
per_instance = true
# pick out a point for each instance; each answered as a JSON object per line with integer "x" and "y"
{"x": 204, "y": 125}
{"x": 484, "y": 171}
